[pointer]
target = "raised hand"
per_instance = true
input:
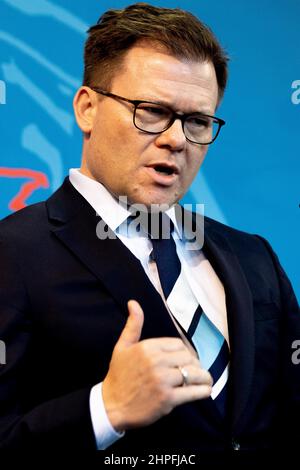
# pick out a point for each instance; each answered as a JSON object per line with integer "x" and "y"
{"x": 144, "y": 381}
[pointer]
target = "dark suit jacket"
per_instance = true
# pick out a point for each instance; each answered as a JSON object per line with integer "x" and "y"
{"x": 63, "y": 296}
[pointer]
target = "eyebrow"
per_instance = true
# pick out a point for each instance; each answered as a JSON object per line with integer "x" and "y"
{"x": 168, "y": 105}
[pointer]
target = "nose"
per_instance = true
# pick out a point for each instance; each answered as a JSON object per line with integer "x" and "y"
{"x": 173, "y": 137}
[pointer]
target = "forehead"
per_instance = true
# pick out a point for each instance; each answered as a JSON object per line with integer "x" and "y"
{"x": 151, "y": 73}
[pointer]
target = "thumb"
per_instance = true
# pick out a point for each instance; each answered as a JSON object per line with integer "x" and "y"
{"x": 132, "y": 330}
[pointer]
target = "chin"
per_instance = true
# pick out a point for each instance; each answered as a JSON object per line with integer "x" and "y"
{"x": 154, "y": 197}
{"x": 160, "y": 202}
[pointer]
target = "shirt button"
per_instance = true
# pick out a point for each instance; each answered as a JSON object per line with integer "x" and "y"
{"x": 235, "y": 445}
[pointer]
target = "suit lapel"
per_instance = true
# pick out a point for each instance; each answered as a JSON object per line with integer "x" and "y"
{"x": 240, "y": 318}
{"x": 74, "y": 222}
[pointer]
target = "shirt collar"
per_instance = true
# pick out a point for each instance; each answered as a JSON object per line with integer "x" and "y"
{"x": 105, "y": 204}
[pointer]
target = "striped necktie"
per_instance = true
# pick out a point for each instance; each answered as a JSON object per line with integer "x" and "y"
{"x": 211, "y": 346}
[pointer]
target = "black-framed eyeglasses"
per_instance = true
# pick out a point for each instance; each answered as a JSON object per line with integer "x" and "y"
{"x": 155, "y": 118}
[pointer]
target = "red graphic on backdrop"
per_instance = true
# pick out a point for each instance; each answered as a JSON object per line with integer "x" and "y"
{"x": 36, "y": 180}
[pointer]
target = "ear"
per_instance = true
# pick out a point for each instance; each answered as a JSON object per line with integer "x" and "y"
{"x": 85, "y": 106}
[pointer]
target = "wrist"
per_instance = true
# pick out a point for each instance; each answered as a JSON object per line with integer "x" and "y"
{"x": 112, "y": 409}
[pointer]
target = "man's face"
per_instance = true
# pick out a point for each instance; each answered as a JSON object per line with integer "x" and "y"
{"x": 127, "y": 161}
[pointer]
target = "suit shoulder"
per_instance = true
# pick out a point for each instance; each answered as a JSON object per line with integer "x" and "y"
{"x": 237, "y": 238}
{"x": 223, "y": 228}
{"x": 28, "y": 220}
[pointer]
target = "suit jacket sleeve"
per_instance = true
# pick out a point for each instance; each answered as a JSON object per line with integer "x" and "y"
{"x": 61, "y": 422}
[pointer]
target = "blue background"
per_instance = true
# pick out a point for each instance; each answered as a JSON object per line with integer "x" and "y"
{"x": 250, "y": 179}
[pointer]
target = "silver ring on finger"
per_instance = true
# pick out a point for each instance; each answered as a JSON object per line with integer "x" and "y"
{"x": 185, "y": 376}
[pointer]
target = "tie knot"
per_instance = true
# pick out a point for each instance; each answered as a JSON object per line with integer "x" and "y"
{"x": 160, "y": 226}
{"x": 157, "y": 225}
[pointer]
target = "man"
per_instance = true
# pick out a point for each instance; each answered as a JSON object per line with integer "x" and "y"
{"x": 99, "y": 353}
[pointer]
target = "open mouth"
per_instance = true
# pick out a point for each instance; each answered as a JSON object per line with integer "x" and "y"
{"x": 164, "y": 170}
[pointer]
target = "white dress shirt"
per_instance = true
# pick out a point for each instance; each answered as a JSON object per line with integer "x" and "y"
{"x": 202, "y": 279}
